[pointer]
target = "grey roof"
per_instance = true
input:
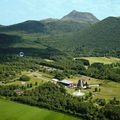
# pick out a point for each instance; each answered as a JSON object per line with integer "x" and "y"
{"x": 66, "y": 82}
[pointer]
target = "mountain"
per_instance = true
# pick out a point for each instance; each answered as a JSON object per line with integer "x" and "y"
{"x": 75, "y": 21}
{"x": 104, "y": 34}
{"x": 48, "y": 20}
{"x": 28, "y": 26}
{"x": 46, "y": 26}
{"x": 81, "y": 17}
{"x": 66, "y": 36}
{"x": 100, "y": 39}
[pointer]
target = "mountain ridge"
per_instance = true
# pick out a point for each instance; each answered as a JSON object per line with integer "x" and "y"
{"x": 68, "y": 36}
{"x": 51, "y": 25}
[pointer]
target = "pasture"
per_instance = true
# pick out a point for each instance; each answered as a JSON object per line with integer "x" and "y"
{"x": 38, "y": 77}
{"x": 15, "y": 111}
{"x": 105, "y": 60}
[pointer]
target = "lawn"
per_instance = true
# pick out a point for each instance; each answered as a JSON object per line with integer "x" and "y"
{"x": 105, "y": 60}
{"x": 38, "y": 77}
{"x": 15, "y": 111}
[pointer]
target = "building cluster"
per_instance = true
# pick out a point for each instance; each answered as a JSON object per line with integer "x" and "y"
{"x": 81, "y": 84}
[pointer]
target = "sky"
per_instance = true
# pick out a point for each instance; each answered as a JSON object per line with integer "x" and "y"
{"x": 16, "y": 11}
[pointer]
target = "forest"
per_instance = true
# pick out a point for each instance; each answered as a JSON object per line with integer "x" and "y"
{"x": 54, "y": 97}
{"x": 11, "y": 66}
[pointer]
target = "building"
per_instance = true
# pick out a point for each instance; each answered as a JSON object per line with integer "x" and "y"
{"x": 19, "y": 92}
{"x": 55, "y": 81}
{"x": 66, "y": 83}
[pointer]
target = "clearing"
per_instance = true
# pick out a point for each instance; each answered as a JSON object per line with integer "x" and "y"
{"x": 105, "y": 60}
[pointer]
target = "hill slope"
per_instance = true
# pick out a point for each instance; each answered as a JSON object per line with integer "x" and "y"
{"x": 103, "y": 36}
{"x": 100, "y": 39}
{"x": 6, "y": 40}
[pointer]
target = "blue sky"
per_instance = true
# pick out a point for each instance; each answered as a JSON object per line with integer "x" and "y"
{"x": 15, "y": 11}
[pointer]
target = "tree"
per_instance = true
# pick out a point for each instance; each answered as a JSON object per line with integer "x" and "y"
{"x": 99, "y": 90}
{"x": 59, "y": 76}
{"x": 90, "y": 94}
{"x": 96, "y": 89}
{"x": 24, "y": 78}
{"x": 36, "y": 83}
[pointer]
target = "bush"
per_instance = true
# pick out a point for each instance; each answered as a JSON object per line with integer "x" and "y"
{"x": 24, "y": 78}
{"x": 85, "y": 62}
{"x": 59, "y": 76}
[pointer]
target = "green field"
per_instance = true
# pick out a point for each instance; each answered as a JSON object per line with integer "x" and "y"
{"x": 104, "y": 60}
{"x": 38, "y": 77}
{"x": 15, "y": 111}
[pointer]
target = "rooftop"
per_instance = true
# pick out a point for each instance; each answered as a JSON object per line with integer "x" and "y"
{"x": 66, "y": 82}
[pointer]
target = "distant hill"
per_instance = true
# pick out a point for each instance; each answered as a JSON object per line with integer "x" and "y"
{"x": 46, "y": 26}
{"x": 81, "y": 17}
{"x": 27, "y": 26}
{"x": 75, "y": 21}
{"x": 48, "y": 20}
{"x": 1, "y": 25}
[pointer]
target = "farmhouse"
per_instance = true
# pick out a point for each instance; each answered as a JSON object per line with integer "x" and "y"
{"x": 66, "y": 83}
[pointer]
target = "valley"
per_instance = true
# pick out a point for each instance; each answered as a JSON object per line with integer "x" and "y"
{"x": 64, "y": 69}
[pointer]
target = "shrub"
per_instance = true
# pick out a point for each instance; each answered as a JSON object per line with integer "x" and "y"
{"x": 24, "y": 78}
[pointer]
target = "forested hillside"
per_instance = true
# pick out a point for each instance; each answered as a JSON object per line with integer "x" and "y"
{"x": 67, "y": 36}
{"x": 101, "y": 39}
